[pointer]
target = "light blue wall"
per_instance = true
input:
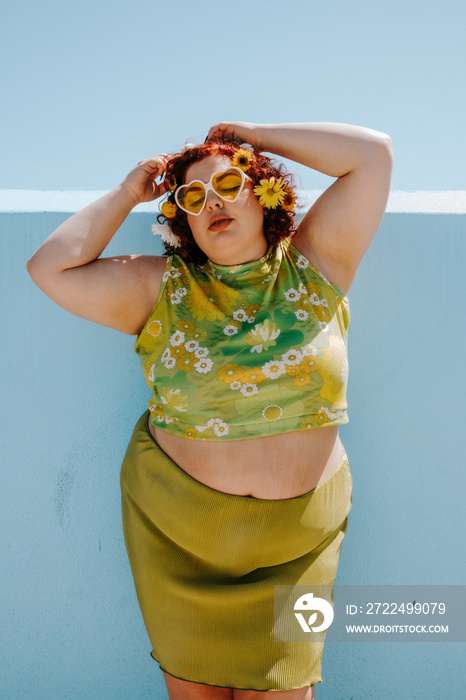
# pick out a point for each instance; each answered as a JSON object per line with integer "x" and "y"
{"x": 70, "y": 624}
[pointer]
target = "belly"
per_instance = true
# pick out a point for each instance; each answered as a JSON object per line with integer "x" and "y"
{"x": 275, "y": 467}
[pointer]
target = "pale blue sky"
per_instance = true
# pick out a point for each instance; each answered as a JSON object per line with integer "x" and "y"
{"x": 90, "y": 88}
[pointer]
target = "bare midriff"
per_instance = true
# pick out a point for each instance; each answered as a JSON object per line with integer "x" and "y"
{"x": 275, "y": 467}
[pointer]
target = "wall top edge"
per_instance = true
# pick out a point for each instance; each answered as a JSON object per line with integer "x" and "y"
{"x": 400, "y": 201}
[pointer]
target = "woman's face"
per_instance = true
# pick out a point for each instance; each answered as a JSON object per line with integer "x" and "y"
{"x": 229, "y": 233}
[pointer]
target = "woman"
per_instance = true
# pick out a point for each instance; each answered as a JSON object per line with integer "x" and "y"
{"x": 235, "y": 480}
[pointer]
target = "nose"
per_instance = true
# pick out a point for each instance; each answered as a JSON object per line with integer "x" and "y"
{"x": 213, "y": 201}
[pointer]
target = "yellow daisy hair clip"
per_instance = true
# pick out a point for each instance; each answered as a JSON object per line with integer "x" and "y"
{"x": 242, "y": 159}
{"x": 271, "y": 192}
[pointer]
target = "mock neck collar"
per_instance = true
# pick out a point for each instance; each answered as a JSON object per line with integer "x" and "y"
{"x": 260, "y": 267}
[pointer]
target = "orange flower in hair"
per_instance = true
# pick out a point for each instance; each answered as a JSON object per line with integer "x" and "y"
{"x": 169, "y": 210}
{"x": 171, "y": 183}
{"x": 289, "y": 201}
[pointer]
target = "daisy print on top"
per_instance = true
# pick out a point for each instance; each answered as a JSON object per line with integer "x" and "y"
{"x": 243, "y": 351}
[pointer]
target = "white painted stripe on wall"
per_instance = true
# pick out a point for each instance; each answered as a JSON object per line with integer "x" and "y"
{"x": 47, "y": 201}
{"x": 413, "y": 201}
{"x": 400, "y": 201}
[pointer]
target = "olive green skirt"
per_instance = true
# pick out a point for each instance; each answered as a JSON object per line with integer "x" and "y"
{"x": 205, "y": 564}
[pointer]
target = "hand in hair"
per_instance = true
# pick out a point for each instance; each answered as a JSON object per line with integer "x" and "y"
{"x": 141, "y": 182}
{"x": 238, "y": 132}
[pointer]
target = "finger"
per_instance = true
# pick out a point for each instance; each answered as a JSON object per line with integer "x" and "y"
{"x": 155, "y": 166}
{"x": 154, "y": 190}
{"x": 159, "y": 159}
{"x": 155, "y": 161}
{"x": 163, "y": 188}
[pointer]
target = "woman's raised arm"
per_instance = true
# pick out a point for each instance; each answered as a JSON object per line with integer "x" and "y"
{"x": 337, "y": 230}
{"x": 118, "y": 292}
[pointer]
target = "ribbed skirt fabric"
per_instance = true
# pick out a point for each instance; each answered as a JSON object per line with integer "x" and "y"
{"x": 205, "y": 564}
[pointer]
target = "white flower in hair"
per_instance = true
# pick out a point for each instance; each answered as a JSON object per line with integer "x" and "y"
{"x": 187, "y": 146}
{"x": 247, "y": 146}
{"x": 166, "y": 234}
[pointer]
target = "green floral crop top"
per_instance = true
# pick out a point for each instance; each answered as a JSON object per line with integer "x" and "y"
{"x": 245, "y": 351}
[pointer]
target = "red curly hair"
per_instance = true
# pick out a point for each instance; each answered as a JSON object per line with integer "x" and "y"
{"x": 278, "y": 223}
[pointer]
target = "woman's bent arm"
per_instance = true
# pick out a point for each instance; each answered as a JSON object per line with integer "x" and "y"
{"x": 117, "y": 292}
{"x": 337, "y": 230}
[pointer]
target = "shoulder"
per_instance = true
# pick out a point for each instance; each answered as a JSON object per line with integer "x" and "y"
{"x": 148, "y": 273}
{"x": 326, "y": 267}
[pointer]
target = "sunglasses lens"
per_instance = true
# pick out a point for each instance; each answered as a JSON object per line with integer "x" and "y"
{"x": 192, "y": 198}
{"x": 228, "y": 184}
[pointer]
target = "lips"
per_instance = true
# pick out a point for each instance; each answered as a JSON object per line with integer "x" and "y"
{"x": 219, "y": 222}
